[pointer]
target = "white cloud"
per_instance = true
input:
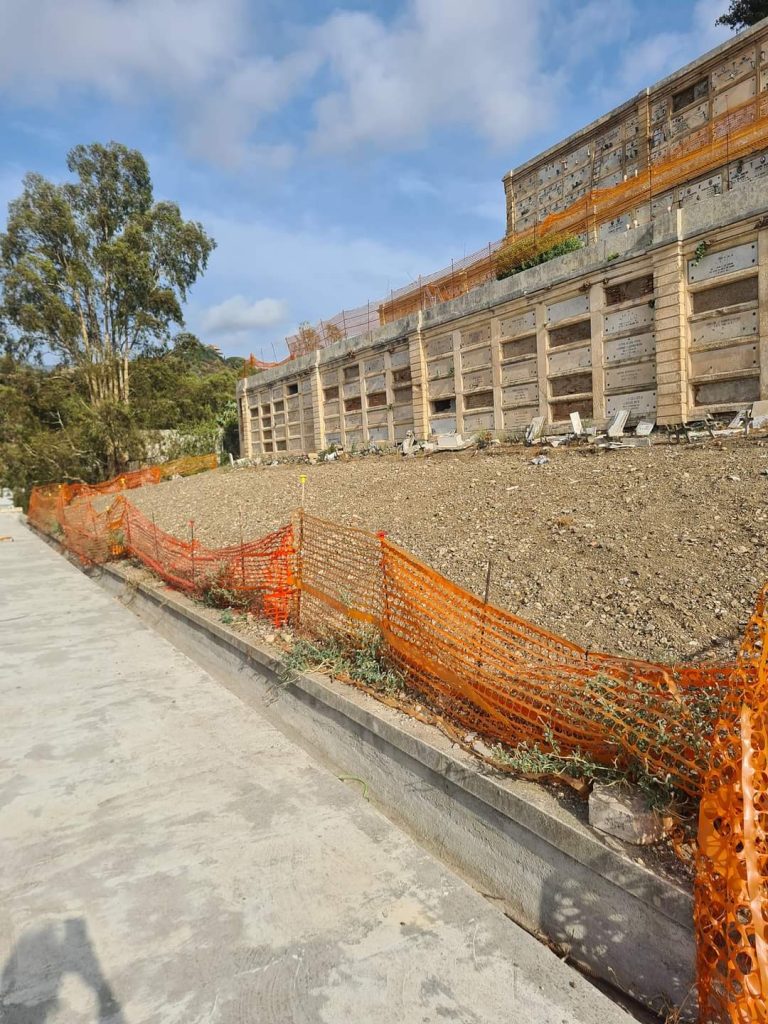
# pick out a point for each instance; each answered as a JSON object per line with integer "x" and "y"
{"x": 444, "y": 62}
{"x": 317, "y": 271}
{"x": 236, "y": 315}
{"x": 645, "y": 62}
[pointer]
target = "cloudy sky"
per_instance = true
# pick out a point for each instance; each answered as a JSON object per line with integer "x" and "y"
{"x": 334, "y": 150}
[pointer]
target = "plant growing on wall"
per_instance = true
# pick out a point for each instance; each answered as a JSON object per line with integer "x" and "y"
{"x": 522, "y": 254}
{"x": 743, "y": 13}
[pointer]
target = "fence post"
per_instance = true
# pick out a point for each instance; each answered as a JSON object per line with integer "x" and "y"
{"x": 157, "y": 552}
{"x": 484, "y": 615}
{"x": 299, "y": 565}
{"x": 192, "y": 548}
{"x": 385, "y": 623}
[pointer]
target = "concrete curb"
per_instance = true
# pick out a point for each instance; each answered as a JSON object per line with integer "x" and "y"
{"x": 513, "y": 840}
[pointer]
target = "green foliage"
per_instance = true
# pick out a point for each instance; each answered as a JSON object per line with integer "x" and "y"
{"x": 93, "y": 270}
{"x": 742, "y": 13}
{"x": 50, "y": 431}
{"x": 361, "y": 659}
{"x": 516, "y": 257}
{"x": 699, "y": 253}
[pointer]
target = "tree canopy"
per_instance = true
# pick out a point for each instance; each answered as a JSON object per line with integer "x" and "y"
{"x": 94, "y": 271}
{"x": 743, "y": 13}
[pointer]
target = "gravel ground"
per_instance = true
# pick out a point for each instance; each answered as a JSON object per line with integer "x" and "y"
{"x": 657, "y": 553}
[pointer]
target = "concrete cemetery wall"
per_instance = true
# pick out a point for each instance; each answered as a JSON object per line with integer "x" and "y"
{"x": 668, "y": 320}
{"x": 664, "y": 122}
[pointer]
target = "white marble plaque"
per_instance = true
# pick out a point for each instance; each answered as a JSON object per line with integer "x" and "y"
{"x": 638, "y": 403}
{"x": 521, "y": 393}
{"x": 440, "y": 368}
{"x": 375, "y": 365}
{"x": 575, "y": 359}
{"x": 631, "y": 319}
{"x": 443, "y": 388}
{"x": 515, "y": 372}
{"x": 439, "y": 346}
{"x": 478, "y": 421}
{"x": 567, "y": 308}
{"x": 477, "y": 379}
{"x": 753, "y": 169}
{"x": 727, "y": 261}
{"x": 724, "y": 360}
{"x": 477, "y": 357}
{"x": 444, "y": 425}
{"x": 513, "y": 326}
{"x": 476, "y": 336}
{"x": 734, "y": 97}
{"x": 520, "y": 417}
{"x": 725, "y": 74}
{"x": 633, "y": 346}
{"x": 725, "y": 328}
{"x": 641, "y": 375}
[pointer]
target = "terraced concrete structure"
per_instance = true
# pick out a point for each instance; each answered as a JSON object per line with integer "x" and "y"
{"x": 663, "y": 312}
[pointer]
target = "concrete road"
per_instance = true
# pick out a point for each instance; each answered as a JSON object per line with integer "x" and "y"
{"x": 166, "y": 855}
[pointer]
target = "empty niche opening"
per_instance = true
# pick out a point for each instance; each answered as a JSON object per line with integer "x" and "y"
{"x": 351, "y": 373}
{"x": 443, "y": 405}
{"x": 626, "y": 291}
{"x": 401, "y": 376}
{"x": 724, "y": 392}
{"x": 330, "y": 394}
{"x": 687, "y": 96}
{"x": 293, "y": 389}
{"x": 479, "y": 400}
{"x": 722, "y": 295}
{"x": 571, "y": 384}
{"x": 519, "y": 347}
{"x": 582, "y": 331}
{"x": 562, "y": 410}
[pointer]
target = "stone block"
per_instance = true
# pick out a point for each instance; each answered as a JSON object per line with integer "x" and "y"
{"x": 624, "y": 812}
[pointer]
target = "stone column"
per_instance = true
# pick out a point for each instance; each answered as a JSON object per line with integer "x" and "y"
{"x": 672, "y": 331}
{"x": 597, "y": 329}
{"x": 542, "y": 336}
{"x": 498, "y": 413}
{"x": 419, "y": 393}
{"x": 762, "y": 300}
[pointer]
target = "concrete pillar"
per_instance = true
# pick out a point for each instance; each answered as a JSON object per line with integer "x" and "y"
{"x": 318, "y": 410}
{"x": 390, "y": 392}
{"x": 542, "y": 336}
{"x": 498, "y": 413}
{"x": 458, "y": 381}
{"x": 597, "y": 328}
{"x": 672, "y": 331}
{"x": 762, "y": 300}
{"x": 420, "y": 396}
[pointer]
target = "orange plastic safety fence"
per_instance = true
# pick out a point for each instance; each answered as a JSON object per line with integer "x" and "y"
{"x": 703, "y": 727}
{"x": 258, "y": 573}
{"x": 46, "y": 503}
{"x": 500, "y": 676}
{"x": 732, "y": 869}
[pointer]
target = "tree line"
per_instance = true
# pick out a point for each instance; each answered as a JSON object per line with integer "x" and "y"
{"x": 94, "y": 273}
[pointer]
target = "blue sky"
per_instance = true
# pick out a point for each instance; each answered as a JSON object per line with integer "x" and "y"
{"x": 333, "y": 150}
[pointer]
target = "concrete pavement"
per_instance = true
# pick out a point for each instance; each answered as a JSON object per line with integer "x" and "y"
{"x": 167, "y": 855}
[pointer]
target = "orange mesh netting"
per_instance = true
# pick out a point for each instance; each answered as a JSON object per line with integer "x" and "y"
{"x": 259, "y": 573}
{"x": 701, "y": 727}
{"x": 732, "y": 868}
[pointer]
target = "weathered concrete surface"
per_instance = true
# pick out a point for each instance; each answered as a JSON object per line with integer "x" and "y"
{"x": 167, "y": 855}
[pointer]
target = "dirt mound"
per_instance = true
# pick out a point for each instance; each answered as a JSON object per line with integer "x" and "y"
{"x": 656, "y": 552}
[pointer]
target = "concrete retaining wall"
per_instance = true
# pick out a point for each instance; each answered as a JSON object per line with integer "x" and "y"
{"x": 515, "y": 841}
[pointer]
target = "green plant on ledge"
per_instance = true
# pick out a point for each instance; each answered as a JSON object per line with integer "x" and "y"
{"x": 526, "y": 253}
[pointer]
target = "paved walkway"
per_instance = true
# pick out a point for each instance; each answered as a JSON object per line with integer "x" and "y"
{"x": 166, "y": 855}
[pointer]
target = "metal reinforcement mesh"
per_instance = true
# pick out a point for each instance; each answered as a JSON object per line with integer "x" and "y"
{"x": 703, "y": 728}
